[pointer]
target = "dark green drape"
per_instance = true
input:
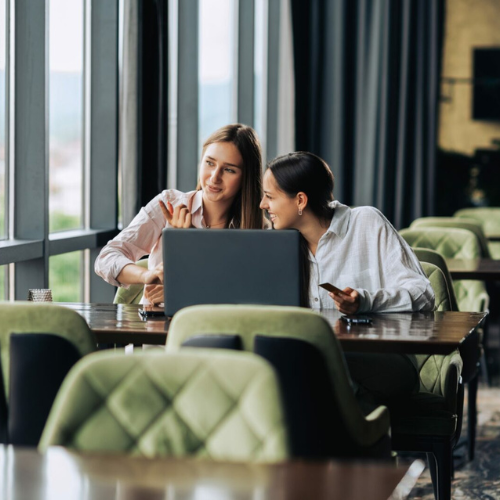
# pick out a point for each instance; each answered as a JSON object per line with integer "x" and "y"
{"x": 366, "y": 81}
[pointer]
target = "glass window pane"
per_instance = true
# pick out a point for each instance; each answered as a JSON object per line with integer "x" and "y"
{"x": 3, "y": 119}
{"x": 259, "y": 47}
{"x": 65, "y": 277}
{"x": 216, "y": 65}
{"x": 3, "y": 282}
{"x": 65, "y": 114}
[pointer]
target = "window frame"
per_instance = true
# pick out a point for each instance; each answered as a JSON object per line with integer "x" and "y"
{"x": 30, "y": 245}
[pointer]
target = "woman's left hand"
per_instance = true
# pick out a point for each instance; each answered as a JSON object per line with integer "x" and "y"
{"x": 346, "y": 302}
{"x": 154, "y": 293}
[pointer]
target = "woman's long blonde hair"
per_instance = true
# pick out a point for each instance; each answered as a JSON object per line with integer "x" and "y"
{"x": 245, "y": 212}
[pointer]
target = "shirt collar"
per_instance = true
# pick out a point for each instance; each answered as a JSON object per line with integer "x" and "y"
{"x": 340, "y": 220}
{"x": 197, "y": 202}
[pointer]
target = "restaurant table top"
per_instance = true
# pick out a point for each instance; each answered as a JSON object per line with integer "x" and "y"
{"x": 62, "y": 474}
{"x": 425, "y": 333}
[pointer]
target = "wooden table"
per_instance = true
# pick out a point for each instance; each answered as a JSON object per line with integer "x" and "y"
{"x": 59, "y": 474}
{"x": 425, "y": 333}
{"x": 474, "y": 269}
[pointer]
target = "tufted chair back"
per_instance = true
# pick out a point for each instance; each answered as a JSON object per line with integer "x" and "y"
{"x": 39, "y": 342}
{"x": 277, "y": 332}
{"x": 209, "y": 404}
{"x": 457, "y": 243}
{"x": 489, "y": 218}
{"x": 443, "y": 296}
{"x": 132, "y": 294}
{"x": 433, "y": 257}
{"x": 455, "y": 222}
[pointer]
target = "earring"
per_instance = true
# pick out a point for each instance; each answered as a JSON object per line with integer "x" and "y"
{"x": 300, "y": 211}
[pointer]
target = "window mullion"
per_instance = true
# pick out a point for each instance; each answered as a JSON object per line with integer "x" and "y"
{"x": 29, "y": 165}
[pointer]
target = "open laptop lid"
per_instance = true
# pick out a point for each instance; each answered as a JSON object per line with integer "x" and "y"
{"x": 230, "y": 266}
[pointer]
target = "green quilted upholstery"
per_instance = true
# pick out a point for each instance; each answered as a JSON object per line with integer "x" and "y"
{"x": 38, "y": 317}
{"x": 132, "y": 294}
{"x": 457, "y": 243}
{"x": 292, "y": 322}
{"x": 434, "y": 369}
{"x": 433, "y": 257}
{"x": 449, "y": 242}
{"x": 489, "y": 217}
{"x": 443, "y": 301}
{"x": 461, "y": 223}
{"x": 210, "y": 404}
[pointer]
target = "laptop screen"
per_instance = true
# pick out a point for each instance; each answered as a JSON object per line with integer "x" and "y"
{"x": 230, "y": 266}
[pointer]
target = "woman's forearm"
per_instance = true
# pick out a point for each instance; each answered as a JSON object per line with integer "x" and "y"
{"x": 132, "y": 274}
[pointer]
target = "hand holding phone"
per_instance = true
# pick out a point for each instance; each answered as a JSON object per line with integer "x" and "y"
{"x": 331, "y": 288}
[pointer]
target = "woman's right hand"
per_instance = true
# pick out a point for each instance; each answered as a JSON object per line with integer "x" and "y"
{"x": 178, "y": 217}
{"x": 153, "y": 276}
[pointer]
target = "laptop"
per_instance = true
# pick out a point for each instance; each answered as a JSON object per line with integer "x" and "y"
{"x": 230, "y": 266}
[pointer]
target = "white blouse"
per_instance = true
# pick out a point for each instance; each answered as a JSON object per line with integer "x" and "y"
{"x": 362, "y": 250}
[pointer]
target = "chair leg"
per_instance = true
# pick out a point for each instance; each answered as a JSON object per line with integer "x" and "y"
{"x": 431, "y": 461}
{"x": 440, "y": 462}
{"x": 484, "y": 368}
{"x": 471, "y": 416}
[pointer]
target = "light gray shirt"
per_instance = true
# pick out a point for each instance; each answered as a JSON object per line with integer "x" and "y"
{"x": 362, "y": 250}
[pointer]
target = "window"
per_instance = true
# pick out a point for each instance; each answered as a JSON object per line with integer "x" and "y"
{"x": 3, "y": 120}
{"x": 217, "y": 25}
{"x": 259, "y": 67}
{"x": 65, "y": 114}
{"x": 3, "y": 282}
{"x": 59, "y": 127}
{"x": 65, "y": 277}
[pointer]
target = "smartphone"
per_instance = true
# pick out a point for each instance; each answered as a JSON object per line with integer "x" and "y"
{"x": 331, "y": 288}
{"x": 357, "y": 320}
{"x": 150, "y": 312}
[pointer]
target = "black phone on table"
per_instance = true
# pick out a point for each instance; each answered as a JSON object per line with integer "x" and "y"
{"x": 357, "y": 320}
{"x": 151, "y": 312}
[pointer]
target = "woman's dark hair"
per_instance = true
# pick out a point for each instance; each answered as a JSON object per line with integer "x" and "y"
{"x": 305, "y": 172}
{"x": 245, "y": 212}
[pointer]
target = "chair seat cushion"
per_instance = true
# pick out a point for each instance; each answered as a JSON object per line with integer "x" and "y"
{"x": 423, "y": 414}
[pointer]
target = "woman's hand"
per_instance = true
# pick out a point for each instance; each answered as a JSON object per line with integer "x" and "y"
{"x": 178, "y": 217}
{"x": 347, "y": 302}
{"x": 153, "y": 276}
{"x": 154, "y": 294}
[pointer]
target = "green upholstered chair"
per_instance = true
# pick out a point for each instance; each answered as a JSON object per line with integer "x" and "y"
{"x": 489, "y": 217}
{"x": 205, "y": 403}
{"x": 39, "y": 343}
{"x": 132, "y": 294}
{"x": 471, "y": 295}
{"x": 454, "y": 243}
{"x": 430, "y": 420}
{"x": 319, "y": 384}
{"x": 461, "y": 223}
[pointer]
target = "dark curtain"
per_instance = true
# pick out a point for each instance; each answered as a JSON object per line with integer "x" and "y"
{"x": 153, "y": 98}
{"x": 366, "y": 81}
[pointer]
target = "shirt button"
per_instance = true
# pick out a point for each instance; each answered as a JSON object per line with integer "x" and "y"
{"x": 316, "y": 299}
